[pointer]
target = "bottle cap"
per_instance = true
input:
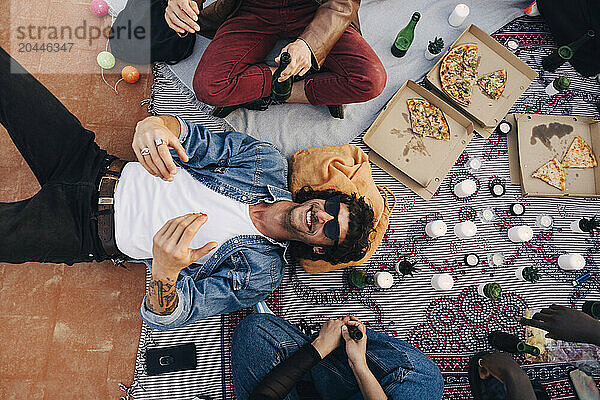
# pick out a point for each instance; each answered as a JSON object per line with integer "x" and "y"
{"x": 497, "y": 189}
{"x": 471, "y": 259}
{"x": 517, "y": 209}
{"x": 416, "y": 16}
{"x": 512, "y": 44}
{"x": 504, "y": 127}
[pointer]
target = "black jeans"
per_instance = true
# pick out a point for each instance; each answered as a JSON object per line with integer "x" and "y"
{"x": 58, "y": 223}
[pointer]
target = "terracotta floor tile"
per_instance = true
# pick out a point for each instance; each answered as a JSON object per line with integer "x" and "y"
{"x": 21, "y": 389}
{"x": 114, "y": 139}
{"x": 68, "y": 86}
{"x": 86, "y": 318}
{"x": 25, "y": 286}
{"x": 104, "y": 276}
{"x": 34, "y": 9}
{"x": 25, "y": 343}
{"x": 76, "y": 374}
{"x": 78, "y": 61}
{"x": 111, "y": 109}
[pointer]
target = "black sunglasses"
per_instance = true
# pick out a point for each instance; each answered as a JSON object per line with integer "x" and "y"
{"x": 331, "y": 229}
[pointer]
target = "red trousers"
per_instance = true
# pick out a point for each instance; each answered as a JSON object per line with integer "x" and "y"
{"x": 232, "y": 69}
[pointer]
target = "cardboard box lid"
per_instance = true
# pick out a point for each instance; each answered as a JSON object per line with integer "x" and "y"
{"x": 423, "y": 159}
{"x": 543, "y": 137}
{"x": 484, "y": 111}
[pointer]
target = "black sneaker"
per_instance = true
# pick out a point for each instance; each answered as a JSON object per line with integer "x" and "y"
{"x": 336, "y": 111}
{"x": 259, "y": 105}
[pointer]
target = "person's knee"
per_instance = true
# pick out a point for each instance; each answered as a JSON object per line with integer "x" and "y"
{"x": 431, "y": 377}
{"x": 210, "y": 86}
{"x": 371, "y": 82}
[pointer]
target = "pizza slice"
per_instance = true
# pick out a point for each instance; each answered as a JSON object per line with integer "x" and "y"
{"x": 438, "y": 126}
{"x": 471, "y": 55}
{"x": 552, "y": 173}
{"x": 493, "y": 84}
{"x": 417, "y": 108}
{"x": 579, "y": 155}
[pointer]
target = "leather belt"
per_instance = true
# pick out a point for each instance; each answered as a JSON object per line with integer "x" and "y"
{"x": 106, "y": 212}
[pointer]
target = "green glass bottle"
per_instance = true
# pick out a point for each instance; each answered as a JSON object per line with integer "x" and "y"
{"x": 360, "y": 279}
{"x": 566, "y": 52}
{"x": 281, "y": 91}
{"x": 511, "y": 344}
{"x": 354, "y": 332}
{"x": 405, "y": 37}
{"x": 592, "y": 308}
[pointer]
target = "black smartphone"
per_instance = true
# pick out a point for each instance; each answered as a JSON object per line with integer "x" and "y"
{"x": 169, "y": 359}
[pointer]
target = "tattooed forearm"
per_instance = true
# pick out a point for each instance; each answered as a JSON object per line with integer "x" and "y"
{"x": 161, "y": 296}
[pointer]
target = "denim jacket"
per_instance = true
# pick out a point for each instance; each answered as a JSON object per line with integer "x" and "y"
{"x": 246, "y": 268}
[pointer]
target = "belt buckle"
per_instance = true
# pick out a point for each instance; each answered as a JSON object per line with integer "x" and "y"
{"x": 106, "y": 200}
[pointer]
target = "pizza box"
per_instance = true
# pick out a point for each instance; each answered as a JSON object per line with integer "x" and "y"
{"x": 485, "y": 112}
{"x": 543, "y": 137}
{"x": 421, "y": 163}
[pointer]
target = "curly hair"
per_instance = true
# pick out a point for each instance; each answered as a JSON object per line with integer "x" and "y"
{"x": 360, "y": 225}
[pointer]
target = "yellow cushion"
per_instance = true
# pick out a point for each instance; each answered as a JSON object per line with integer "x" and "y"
{"x": 345, "y": 168}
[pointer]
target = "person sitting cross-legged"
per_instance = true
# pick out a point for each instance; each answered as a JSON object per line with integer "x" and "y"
{"x": 286, "y": 363}
{"x": 211, "y": 217}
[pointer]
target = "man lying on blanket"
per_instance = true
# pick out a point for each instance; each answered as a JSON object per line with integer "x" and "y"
{"x": 212, "y": 216}
{"x": 232, "y": 72}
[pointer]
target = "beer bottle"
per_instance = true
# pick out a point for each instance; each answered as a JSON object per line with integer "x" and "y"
{"x": 566, "y": 52}
{"x": 511, "y": 344}
{"x": 491, "y": 290}
{"x": 281, "y": 91}
{"x": 405, "y": 37}
{"x": 360, "y": 279}
{"x": 558, "y": 85}
{"x": 592, "y": 308}
{"x": 354, "y": 332}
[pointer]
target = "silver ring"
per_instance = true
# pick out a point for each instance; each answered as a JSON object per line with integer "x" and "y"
{"x": 159, "y": 141}
{"x": 145, "y": 151}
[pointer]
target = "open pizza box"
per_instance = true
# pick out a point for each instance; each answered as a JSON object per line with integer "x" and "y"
{"x": 535, "y": 139}
{"x": 486, "y": 113}
{"x": 421, "y": 163}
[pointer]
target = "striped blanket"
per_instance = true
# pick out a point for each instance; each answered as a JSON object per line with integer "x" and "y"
{"x": 448, "y": 327}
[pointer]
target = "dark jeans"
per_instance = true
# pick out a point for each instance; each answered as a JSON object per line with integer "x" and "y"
{"x": 57, "y": 224}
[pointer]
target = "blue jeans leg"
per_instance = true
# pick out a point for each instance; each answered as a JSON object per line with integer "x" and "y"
{"x": 260, "y": 342}
{"x": 402, "y": 370}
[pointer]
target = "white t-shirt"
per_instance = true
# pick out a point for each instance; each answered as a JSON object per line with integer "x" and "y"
{"x": 144, "y": 203}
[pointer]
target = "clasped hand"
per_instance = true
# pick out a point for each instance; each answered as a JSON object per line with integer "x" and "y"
{"x": 334, "y": 333}
{"x": 159, "y": 161}
{"x": 181, "y": 16}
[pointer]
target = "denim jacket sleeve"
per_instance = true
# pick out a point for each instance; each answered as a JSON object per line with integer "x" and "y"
{"x": 233, "y": 286}
{"x": 206, "y": 148}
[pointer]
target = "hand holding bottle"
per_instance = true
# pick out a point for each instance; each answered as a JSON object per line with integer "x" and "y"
{"x": 356, "y": 350}
{"x": 301, "y": 59}
{"x": 566, "y": 324}
{"x": 330, "y": 336}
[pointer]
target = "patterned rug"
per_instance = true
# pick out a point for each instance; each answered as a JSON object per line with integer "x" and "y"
{"x": 449, "y": 328}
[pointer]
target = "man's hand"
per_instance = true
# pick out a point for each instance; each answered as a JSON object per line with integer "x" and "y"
{"x": 159, "y": 162}
{"x": 170, "y": 247}
{"x": 171, "y": 254}
{"x": 330, "y": 336}
{"x": 301, "y": 59}
{"x": 566, "y": 324}
{"x": 500, "y": 365}
{"x": 181, "y": 16}
{"x": 355, "y": 350}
